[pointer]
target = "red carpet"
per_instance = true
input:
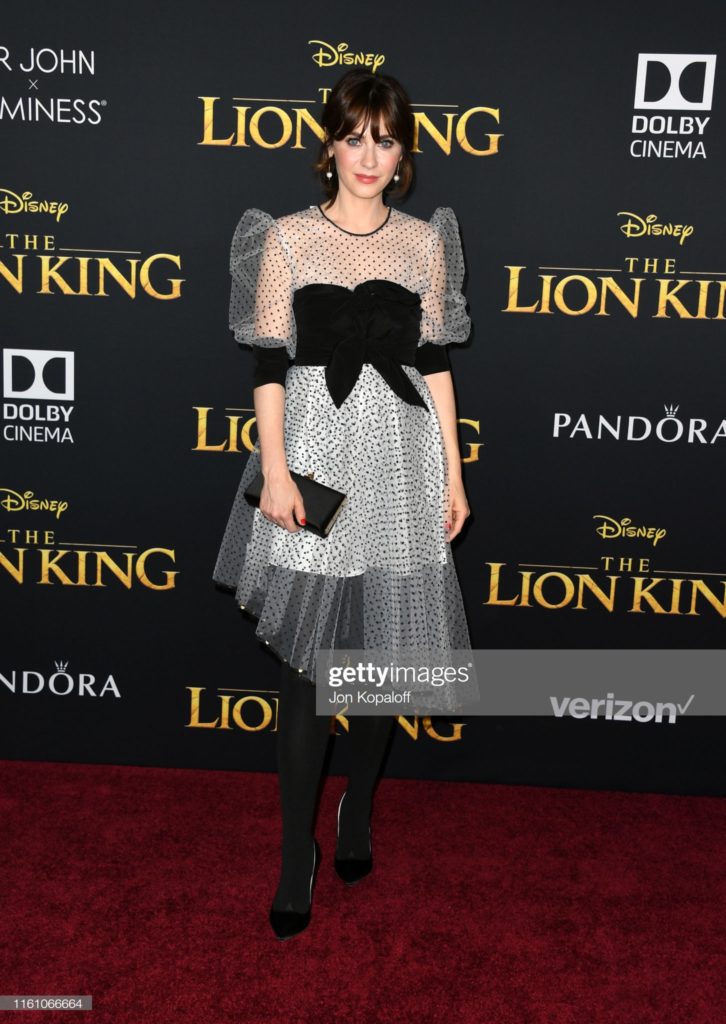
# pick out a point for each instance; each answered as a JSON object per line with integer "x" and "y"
{"x": 149, "y": 889}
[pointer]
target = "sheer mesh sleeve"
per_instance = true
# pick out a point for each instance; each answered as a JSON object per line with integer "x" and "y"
{"x": 443, "y": 307}
{"x": 260, "y": 306}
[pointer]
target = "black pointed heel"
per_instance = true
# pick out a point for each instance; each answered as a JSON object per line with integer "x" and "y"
{"x": 287, "y": 923}
{"x": 352, "y": 869}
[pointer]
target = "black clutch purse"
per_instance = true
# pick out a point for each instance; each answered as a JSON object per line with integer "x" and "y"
{"x": 322, "y": 503}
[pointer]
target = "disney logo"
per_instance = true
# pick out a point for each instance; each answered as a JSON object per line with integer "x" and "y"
{"x": 612, "y": 528}
{"x": 329, "y": 55}
{"x": 636, "y": 227}
{"x": 11, "y": 202}
{"x": 15, "y": 502}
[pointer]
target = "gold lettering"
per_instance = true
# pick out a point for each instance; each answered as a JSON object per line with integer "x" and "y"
{"x": 560, "y": 295}
{"x": 14, "y": 280}
{"x": 586, "y": 581}
{"x": 104, "y": 558}
{"x": 145, "y": 276}
{"x": 703, "y": 287}
{"x": 442, "y": 141}
{"x": 305, "y": 117}
{"x": 494, "y": 598}
{"x": 342, "y": 720}
{"x": 410, "y": 728}
{"x": 567, "y": 584}
{"x": 700, "y": 587}
{"x": 234, "y": 433}
{"x": 49, "y": 271}
{"x": 107, "y": 266}
{"x": 83, "y": 262}
{"x": 81, "y": 557}
{"x": 642, "y": 592}
{"x": 462, "y": 138}
{"x": 208, "y": 124}
{"x": 195, "y": 721}
{"x": 202, "y": 445}
{"x": 16, "y": 571}
{"x": 248, "y": 124}
{"x": 285, "y": 124}
{"x": 513, "y": 297}
{"x": 435, "y": 733}
{"x": 473, "y": 448}
{"x": 241, "y": 126}
{"x": 49, "y": 565}
{"x": 168, "y": 575}
{"x": 252, "y": 700}
{"x": 668, "y": 295}
{"x": 721, "y": 294}
{"x": 676, "y": 597}
{"x": 628, "y": 303}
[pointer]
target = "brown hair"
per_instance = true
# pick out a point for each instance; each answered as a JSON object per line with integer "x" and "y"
{"x": 378, "y": 100}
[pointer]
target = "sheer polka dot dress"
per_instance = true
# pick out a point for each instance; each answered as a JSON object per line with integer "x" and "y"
{"x": 384, "y": 577}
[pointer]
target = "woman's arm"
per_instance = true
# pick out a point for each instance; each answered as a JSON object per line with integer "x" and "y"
{"x": 262, "y": 316}
{"x": 269, "y": 400}
{"x": 441, "y": 386}
{"x": 444, "y": 320}
{"x": 280, "y": 495}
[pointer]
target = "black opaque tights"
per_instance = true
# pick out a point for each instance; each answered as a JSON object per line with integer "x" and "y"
{"x": 302, "y": 738}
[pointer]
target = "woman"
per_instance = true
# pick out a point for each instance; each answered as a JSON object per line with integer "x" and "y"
{"x": 364, "y": 298}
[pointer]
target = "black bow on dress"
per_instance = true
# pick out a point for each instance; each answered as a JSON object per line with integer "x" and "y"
{"x": 378, "y": 322}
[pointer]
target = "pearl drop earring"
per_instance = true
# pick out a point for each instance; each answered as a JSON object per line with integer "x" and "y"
{"x": 397, "y": 176}
{"x": 329, "y": 173}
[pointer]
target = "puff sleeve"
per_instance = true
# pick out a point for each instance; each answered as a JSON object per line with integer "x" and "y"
{"x": 260, "y": 305}
{"x": 444, "y": 318}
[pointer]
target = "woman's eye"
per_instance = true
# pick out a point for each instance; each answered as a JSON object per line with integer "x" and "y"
{"x": 353, "y": 140}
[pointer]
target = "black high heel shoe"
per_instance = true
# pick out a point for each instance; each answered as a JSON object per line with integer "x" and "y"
{"x": 352, "y": 869}
{"x": 286, "y": 923}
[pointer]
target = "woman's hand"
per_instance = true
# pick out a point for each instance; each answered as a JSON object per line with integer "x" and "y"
{"x": 458, "y": 509}
{"x": 280, "y": 498}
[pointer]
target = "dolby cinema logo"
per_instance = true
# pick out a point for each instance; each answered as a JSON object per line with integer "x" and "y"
{"x": 673, "y": 97}
{"x": 38, "y": 389}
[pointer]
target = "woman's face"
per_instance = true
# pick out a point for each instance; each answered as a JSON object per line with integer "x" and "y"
{"x": 365, "y": 166}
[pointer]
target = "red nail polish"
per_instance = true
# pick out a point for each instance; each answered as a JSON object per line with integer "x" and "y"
{"x": 303, "y": 521}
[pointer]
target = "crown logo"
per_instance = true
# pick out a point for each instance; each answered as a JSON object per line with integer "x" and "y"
{"x": 61, "y": 666}
{"x": 671, "y": 410}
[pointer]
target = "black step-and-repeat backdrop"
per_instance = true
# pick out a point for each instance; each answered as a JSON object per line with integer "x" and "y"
{"x": 583, "y": 153}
